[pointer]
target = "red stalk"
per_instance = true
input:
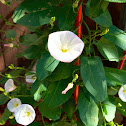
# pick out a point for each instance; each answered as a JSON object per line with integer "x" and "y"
{"x": 122, "y": 61}
{"x": 78, "y": 21}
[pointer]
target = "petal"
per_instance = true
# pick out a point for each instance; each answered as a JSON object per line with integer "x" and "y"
{"x": 21, "y": 116}
{"x": 122, "y": 95}
{"x": 31, "y": 78}
{"x": 13, "y": 104}
{"x": 9, "y": 85}
{"x": 61, "y": 39}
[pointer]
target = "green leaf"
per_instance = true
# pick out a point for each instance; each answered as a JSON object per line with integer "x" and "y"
{"x": 11, "y": 34}
{"x": 79, "y": 122}
{"x": 115, "y": 76}
{"x": 29, "y": 6}
{"x": 35, "y": 86}
{"x": 28, "y": 40}
{"x": 69, "y": 108}
{"x": 5, "y": 116}
{"x": 34, "y": 5}
{"x": 27, "y": 100}
{"x": 104, "y": 19}
{"x": 3, "y": 99}
{"x": 63, "y": 124}
{"x": 3, "y": 80}
{"x": 18, "y": 13}
{"x": 35, "y": 19}
{"x": 45, "y": 66}
{"x": 65, "y": 13}
{"x": 88, "y": 110}
{"x": 51, "y": 113}
{"x": 38, "y": 93}
{"x": 96, "y": 7}
{"x": 35, "y": 123}
{"x": 93, "y": 76}
{"x": 116, "y": 36}
{"x": 53, "y": 96}
{"x": 108, "y": 49}
{"x": 63, "y": 71}
{"x": 110, "y": 110}
{"x": 117, "y": 1}
{"x": 112, "y": 90}
{"x": 33, "y": 52}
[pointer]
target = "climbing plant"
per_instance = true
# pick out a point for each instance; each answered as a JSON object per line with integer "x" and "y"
{"x": 71, "y": 85}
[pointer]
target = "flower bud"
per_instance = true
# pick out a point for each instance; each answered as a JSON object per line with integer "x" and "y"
{"x": 75, "y": 4}
{"x": 119, "y": 105}
{"x": 11, "y": 117}
{"x": 69, "y": 86}
{"x": 104, "y": 32}
{"x": 3, "y": 2}
{"x": 75, "y": 78}
{"x": 9, "y": 45}
{"x": 1, "y": 89}
{"x": 52, "y": 20}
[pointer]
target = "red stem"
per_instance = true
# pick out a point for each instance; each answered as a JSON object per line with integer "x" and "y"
{"x": 78, "y": 21}
{"x": 122, "y": 61}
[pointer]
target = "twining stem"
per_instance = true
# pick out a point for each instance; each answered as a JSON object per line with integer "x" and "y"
{"x": 103, "y": 114}
{"x": 43, "y": 121}
{"x": 89, "y": 33}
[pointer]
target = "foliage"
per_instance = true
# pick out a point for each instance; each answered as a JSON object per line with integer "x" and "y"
{"x": 98, "y": 84}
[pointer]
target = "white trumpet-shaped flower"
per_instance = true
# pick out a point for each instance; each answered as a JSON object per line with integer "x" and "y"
{"x": 122, "y": 93}
{"x": 13, "y": 104}
{"x": 65, "y": 46}
{"x": 31, "y": 78}
{"x": 9, "y": 85}
{"x": 24, "y": 114}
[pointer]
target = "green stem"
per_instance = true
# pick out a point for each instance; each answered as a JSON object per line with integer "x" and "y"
{"x": 43, "y": 121}
{"x": 22, "y": 95}
{"x": 79, "y": 25}
{"x": 103, "y": 114}
{"x": 89, "y": 33}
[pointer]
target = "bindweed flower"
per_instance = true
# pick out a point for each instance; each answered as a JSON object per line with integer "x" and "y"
{"x": 9, "y": 45}
{"x": 9, "y": 85}
{"x": 65, "y": 46}
{"x": 69, "y": 86}
{"x": 13, "y": 104}
{"x": 122, "y": 93}
{"x": 24, "y": 114}
{"x": 31, "y": 78}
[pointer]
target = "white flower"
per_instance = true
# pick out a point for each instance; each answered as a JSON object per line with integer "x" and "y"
{"x": 13, "y": 104}
{"x": 9, "y": 85}
{"x": 31, "y": 78}
{"x": 24, "y": 114}
{"x": 69, "y": 86}
{"x": 65, "y": 46}
{"x": 122, "y": 93}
